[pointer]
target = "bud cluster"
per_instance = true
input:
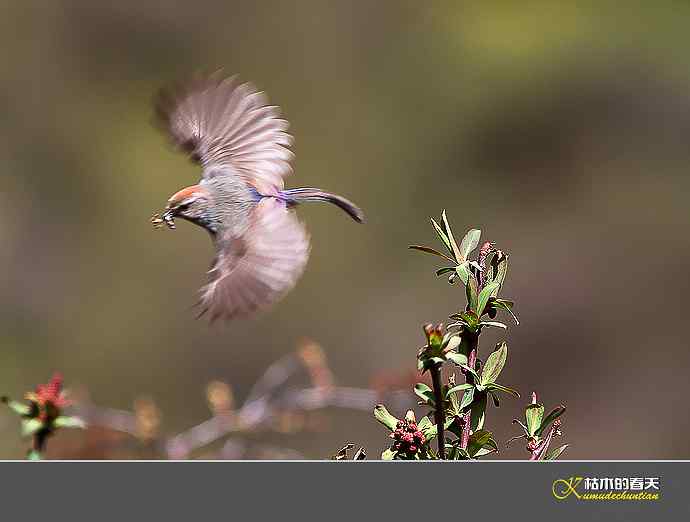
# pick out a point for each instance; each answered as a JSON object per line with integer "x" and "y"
{"x": 434, "y": 334}
{"x": 408, "y": 439}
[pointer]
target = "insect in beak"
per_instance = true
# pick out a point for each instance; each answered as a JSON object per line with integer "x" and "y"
{"x": 168, "y": 219}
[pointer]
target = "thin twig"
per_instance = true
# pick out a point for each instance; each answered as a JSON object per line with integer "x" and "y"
{"x": 267, "y": 398}
{"x": 439, "y": 413}
{"x": 472, "y": 340}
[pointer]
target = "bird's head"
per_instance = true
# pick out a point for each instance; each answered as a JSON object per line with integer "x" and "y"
{"x": 193, "y": 204}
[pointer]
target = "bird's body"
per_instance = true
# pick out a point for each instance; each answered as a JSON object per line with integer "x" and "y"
{"x": 243, "y": 148}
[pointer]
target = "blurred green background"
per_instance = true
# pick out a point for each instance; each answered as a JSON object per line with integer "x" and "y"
{"x": 559, "y": 128}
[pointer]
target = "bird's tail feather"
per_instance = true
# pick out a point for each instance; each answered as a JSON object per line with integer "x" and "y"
{"x": 300, "y": 195}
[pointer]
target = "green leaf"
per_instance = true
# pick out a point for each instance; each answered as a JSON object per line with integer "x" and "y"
{"x": 492, "y": 444}
{"x": 457, "y": 358}
{"x": 499, "y": 269}
{"x": 442, "y": 236}
{"x": 31, "y": 426}
{"x": 469, "y": 318}
{"x": 342, "y": 452}
{"x": 494, "y": 364}
{"x": 458, "y": 388}
{"x": 360, "y": 454}
{"x": 34, "y": 455}
{"x": 471, "y": 371}
{"x": 495, "y": 324}
{"x": 388, "y": 454}
{"x": 463, "y": 271}
{"x": 17, "y": 407}
{"x": 454, "y": 407}
{"x": 555, "y": 453}
{"x": 467, "y": 343}
{"x": 467, "y": 398}
{"x": 505, "y": 389}
{"x": 385, "y": 418}
{"x": 425, "y": 393}
{"x": 451, "y": 239}
{"x": 455, "y": 452}
{"x": 534, "y": 413}
{"x": 428, "y": 428}
{"x": 424, "y": 423}
{"x": 445, "y": 270}
{"x": 471, "y": 290}
{"x": 552, "y": 416}
{"x": 433, "y": 251}
{"x": 462, "y": 454}
{"x": 477, "y": 441}
{"x": 422, "y": 389}
{"x": 484, "y": 295}
{"x": 452, "y": 425}
{"x": 504, "y": 304}
{"x": 459, "y": 324}
{"x": 494, "y": 398}
{"x": 477, "y": 268}
{"x": 450, "y": 342}
{"x": 69, "y": 422}
{"x": 485, "y": 451}
{"x": 469, "y": 243}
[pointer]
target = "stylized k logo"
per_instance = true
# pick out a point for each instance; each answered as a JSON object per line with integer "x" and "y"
{"x": 563, "y": 488}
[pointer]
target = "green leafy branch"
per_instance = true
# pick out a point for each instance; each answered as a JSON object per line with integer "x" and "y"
{"x": 459, "y": 410}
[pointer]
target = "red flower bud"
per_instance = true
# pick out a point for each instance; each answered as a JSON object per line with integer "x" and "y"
{"x": 49, "y": 397}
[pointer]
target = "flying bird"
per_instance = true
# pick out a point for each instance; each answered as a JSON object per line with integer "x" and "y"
{"x": 243, "y": 148}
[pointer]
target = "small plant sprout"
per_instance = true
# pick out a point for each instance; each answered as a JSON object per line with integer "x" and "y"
{"x": 344, "y": 453}
{"x": 539, "y": 430}
{"x": 42, "y": 414}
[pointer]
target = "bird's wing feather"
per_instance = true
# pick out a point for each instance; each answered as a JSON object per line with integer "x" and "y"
{"x": 229, "y": 128}
{"x": 256, "y": 268}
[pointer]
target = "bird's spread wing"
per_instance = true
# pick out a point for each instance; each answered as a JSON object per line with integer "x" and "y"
{"x": 229, "y": 128}
{"x": 257, "y": 268}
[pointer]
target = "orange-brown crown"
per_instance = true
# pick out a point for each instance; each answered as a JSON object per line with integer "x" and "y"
{"x": 183, "y": 194}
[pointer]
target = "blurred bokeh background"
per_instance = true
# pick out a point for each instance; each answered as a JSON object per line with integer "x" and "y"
{"x": 559, "y": 128}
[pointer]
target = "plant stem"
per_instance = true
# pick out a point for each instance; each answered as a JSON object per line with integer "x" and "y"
{"x": 473, "y": 341}
{"x": 38, "y": 445}
{"x": 439, "y": 413}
